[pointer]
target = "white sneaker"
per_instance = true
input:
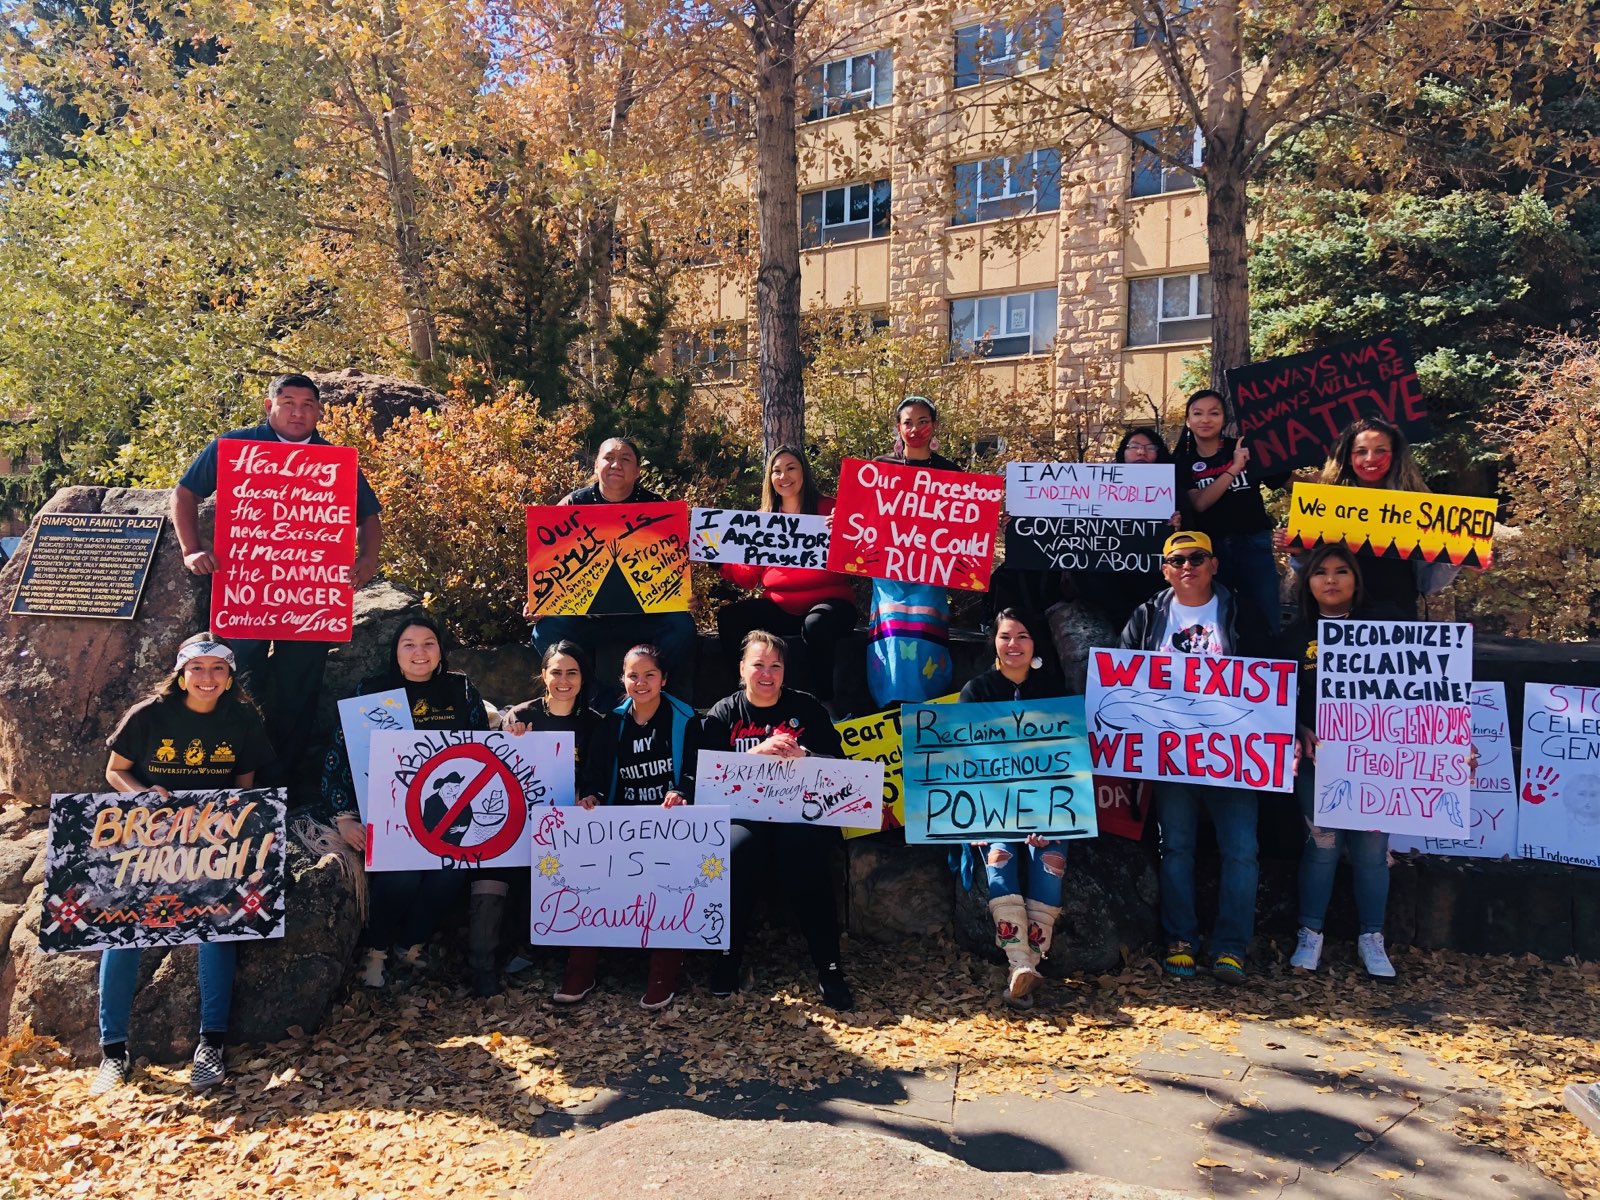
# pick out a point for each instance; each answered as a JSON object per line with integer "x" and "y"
{"x": 372, "y": 969}
{"x": 1373, "y": 957}
{"x": 1308, "y": 950}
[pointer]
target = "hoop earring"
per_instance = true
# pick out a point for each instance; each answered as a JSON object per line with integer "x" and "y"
{"x": 229, "y": 684}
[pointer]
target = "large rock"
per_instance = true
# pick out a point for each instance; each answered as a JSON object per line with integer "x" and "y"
{"x": 505, "y": 675}
{"x": 1075, "y": 628}
{"x": 386, "y": 397}
{"x": 895, "y": 891}
{"x": 378, "y": 608}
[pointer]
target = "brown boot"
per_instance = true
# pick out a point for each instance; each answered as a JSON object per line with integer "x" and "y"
{"x": 665, "y": 966}
{"x": 577, "y": 981}
{"x": 1011, "y": 935}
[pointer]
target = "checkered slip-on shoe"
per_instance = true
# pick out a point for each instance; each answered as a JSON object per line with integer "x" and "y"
{"x": 113, "y": 1073}
{"x": 209, "y": 1069}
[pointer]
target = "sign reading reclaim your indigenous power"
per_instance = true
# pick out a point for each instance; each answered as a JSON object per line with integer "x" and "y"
{"x": 608, "y": 559}
{"x": 915, "y": 525}
{"x": 1392, "y": 524}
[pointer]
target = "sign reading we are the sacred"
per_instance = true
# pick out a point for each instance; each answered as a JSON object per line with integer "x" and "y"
{"x": 608, "y": 559}
{"x": 759, "y": 539}
{"x": 1391, "y": 524}
{"x": 915, "y": 525}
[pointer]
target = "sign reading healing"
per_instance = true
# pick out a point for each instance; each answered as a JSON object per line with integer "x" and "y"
{"x": 1394, "y": 723}
{"x": 1223, "y": 721}
{"x": 758, "y": 539}
{"x": 801, "y": 791}
{"x": 915, "y": 525}
{"x": 1085, "y": 544}
{"x": 656, "y": 878}
{"x": 87, "y": 565}
{"x": 1292, "y": 410}
{"x": 996, "y": 771}
{"x": 608, "y": 559}
{"x": 141, "y": 869}
{"x": 1392, "y": 524}
{"x": 1558, "y": 817}
{"x": 1104, "y": 490}
{"x": 285, "y": 541}
{"x": 1494, "y": 787}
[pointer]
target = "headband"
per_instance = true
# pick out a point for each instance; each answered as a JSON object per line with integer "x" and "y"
{"x": 202, "y": 650}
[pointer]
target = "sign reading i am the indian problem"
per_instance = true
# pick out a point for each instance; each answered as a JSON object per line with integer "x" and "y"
{"x": 1121, "y": 491}
{"x": 915, "y": 524}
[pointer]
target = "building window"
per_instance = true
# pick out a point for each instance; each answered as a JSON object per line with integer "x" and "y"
{"x": 1169, "y": 308}
{"x": 1009, "y": 186}
{"x": 1152, "y": 174}
{"x": 710, "y": 354}
{"x": 999, "y": 49}
{"x": 1142, "y": 33}
{"x": 851, "y": 213}
{"x": 724, "y": 114}
{"x": 851, "y": 84}
{"x": 999, "y": 326}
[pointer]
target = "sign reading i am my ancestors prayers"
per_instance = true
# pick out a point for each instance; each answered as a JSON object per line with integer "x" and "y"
{"x": 1494, "y": 787}
{"x": 141, "y": 869}
{"x": 87, "y": 565}
{"x": 758, "y": 539}
{"x": 608, "y": 559}
{"x": 362, "y": 716}
{"x": 996, "y": 771}
{"x": 1394, "y": 726}
{"x": 915, "y": 525}
{"x": 1390, "y": 524}
{"x": 285, "y": 541}
{"x": 1558, "y": 817}
{"x": 795, "y": 791}
{"x": 465, "y": 799}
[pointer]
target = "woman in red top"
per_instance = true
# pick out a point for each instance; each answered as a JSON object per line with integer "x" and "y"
{"x": 818, "y": 605}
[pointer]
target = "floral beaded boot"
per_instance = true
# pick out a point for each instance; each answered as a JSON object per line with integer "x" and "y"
{"x": 1010, "y": 915}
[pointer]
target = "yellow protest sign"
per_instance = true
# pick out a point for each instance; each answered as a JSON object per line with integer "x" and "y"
{"x": 1390, "y": 524}
{"x": 876, "y": 738}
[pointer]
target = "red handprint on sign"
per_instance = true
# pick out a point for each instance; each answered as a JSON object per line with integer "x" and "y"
{"x": 1541, "y": 783}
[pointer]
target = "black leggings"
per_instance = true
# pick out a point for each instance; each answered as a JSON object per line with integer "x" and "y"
{"x": 820, "y": 630}
{"x": 800, "y": 857}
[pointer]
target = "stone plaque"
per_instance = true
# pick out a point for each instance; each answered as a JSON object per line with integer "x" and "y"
{"x": 87, "y": 565}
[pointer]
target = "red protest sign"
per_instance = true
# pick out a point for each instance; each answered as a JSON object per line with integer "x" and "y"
{"x": 285, "y": 541}
{"x": 1122, "y": 806}
{"x": 915, "y": 524}
{"x": 440, "y": 803}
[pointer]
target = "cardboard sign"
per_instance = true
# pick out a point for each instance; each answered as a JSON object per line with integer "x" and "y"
{"x": 656, "y": 878}
{"x": 996, "y": 772}
{"x": 1123, "y": 806}
{"x": 608, "y": 559}
{"x": 362, "y": 716}
{"x": 1085, "y": 544}
{"x": 138, "y": 869}
{"x": 760, "y": 539}
{"x": 285, "y": 541}
{"x": 800, "y": 791}
{"x": 1390, "y": 524}
{"x": 1394, "y": 723}
{"x": 87, "y": 565}
{"x": 448, "y": 798}
{"x": 1222, "y": 722}
{"x": 1110, "y": 491}
{"x": 1558, "y": 814}
{"x": 1292, "y": 410}
{"x": 915, "y": 525}
{"x": 1494, "y": 787}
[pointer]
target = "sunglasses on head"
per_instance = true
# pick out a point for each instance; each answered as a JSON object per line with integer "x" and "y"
{"x": 1193, "y": 559}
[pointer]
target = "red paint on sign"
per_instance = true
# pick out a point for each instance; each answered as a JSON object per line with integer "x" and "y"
{"x": 432, "y": 840}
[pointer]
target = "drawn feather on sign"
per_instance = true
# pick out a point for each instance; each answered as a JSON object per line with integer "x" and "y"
{"x": 1129, "y": 708}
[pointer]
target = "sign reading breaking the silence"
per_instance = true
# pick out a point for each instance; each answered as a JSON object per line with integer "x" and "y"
{"x": 802, "y": 791}
{"x": 1494, "y": 787}
{"x": 1394, "y": 723}
{"x": 1558, "y": 818}
{"x": 453, "y": 798}
{"x": 996, "y": 771}
{"x": 141, "y": 869}
{"x": 1223, "y": 721}
{"x": 1392, "y": 524}
{"x": 87, "y": 565}
{"x": 656, "y": 878}
{"x": 1292, "y": 410}
{"x": 608, "y": 559}
{"x": 285, "y": 541}
{"x": 1106, "y": 490}
{"x": 915, "y": 525}
{"x": 1085, "y": 544}
{"x": 758, "y": 539}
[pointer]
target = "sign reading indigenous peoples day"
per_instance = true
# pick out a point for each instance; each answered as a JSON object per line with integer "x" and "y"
{"x": 915, "y": 525}
{"x": 1292, "y": 410}
{"x": 1225, "y": 722}
{"x": 142, "y": 869}
{"x": 362, "y": 716}
{"x": 996, "y": 771}
{"x": 1558, "y": 819}
{"x": 759, "y": 539}
{"x": 1105, "y": 490}
{"x": 631, "y": 876}
{"x": 608, "y": 559}
{"x": 1394, "y": 722}
{"x": 285, "y": 541}
{"x": 1494, "y": 787}
{"x": 800, "y": 791}
{"x": 453, "y": 798}
{"x": 1123, "y": 806}
{"x": 1392, "y": 524}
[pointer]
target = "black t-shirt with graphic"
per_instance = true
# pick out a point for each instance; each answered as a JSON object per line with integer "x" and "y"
{"x": 733, "y": 723}
{"x": 644, "y": 759}
{"x": 172, "y": 746}
{"x": 448, "y": 700}
{"x": 1240, "y": 510}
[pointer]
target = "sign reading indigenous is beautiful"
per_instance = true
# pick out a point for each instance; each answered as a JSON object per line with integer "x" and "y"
{"x": 631, "y": 876}
{"x": 762, "y": 539}
{"x": 285, "y": 541}
{"x": 452, "y": 798}
{"x": 1105, "y": 490}
{"x": 1085, "y": 544}
{"x": 1558, "y": 819}
{"x": 1224, "y": 721}
{"x": 1394, "y": 723}
{"x": 996, "y": 771}
{"x": 915, "y": 525}
{"x": 802, "y": 791}
{"x": 608, "y": 559}
{"x": 362, "y": 716}
{"x": 1494, "y": 787}
{"x": 142, "y": 869}
{"x": 1392, "y": 524}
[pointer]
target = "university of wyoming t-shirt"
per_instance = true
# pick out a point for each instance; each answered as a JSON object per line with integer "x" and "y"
{"x": 174, "y": 747}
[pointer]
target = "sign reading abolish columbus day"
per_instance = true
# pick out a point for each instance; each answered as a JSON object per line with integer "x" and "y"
{"x": 1558, "y": 819}
{"x": 1088, "y": 516}
{"x": 915, "y": 525}
{"x": 1224, "y": 721}
{"x": 608, "y": 559}
{"x": 1494, "y": 787}
{"x": 1392, "y": 524}
{"x": 759, "y": 539}
{"x": 285, "y": 541}
{"x": 1394, "y": 722}
{"x": 799, "y": 791}
{"x": 141, "y": 869}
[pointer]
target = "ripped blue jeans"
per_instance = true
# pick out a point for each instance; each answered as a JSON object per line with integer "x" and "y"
{"x": 1046, "y": 865}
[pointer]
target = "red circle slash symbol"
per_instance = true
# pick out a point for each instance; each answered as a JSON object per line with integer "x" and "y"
{"x": 433, "y": 839}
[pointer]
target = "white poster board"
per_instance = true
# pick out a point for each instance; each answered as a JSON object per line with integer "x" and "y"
{"x": 1123, "y": 491}
{"x": 1558, "y": 817}
{"x": 802, "y": 791}
{"x": 362, "y": 716}
{"x": 1494, "y": 787}
{"x": 764, "y": 539}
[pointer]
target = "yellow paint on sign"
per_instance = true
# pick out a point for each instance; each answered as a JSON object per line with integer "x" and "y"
{"x": 1391, "y": 524}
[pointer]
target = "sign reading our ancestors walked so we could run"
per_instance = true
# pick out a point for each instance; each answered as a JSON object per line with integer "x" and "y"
{"x": 915, "y": 525}
{"x": 362, "y": 716}
{"x": 656, "y": 878}
{"x": 87, "y": 565}
{"x": 759, "y": 539}
{"x": 1558, "y": 817}
{"x": 1391, "y": 524}
{"x": 142, "y": 869}
{"x": 996, "y": 771}
{"x": 1223, "y": 721}
{"x": 798, "y": 791}
{"x": 285, "y": 541}
{"x": 608, "y": 559}
{"x": 1494, "y": 787}
{"x": 1394, "y": 727}
{"x": 451, "y": 798}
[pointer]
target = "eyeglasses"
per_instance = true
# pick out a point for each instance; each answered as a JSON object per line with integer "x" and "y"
{"x": 1197, "y": 558}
